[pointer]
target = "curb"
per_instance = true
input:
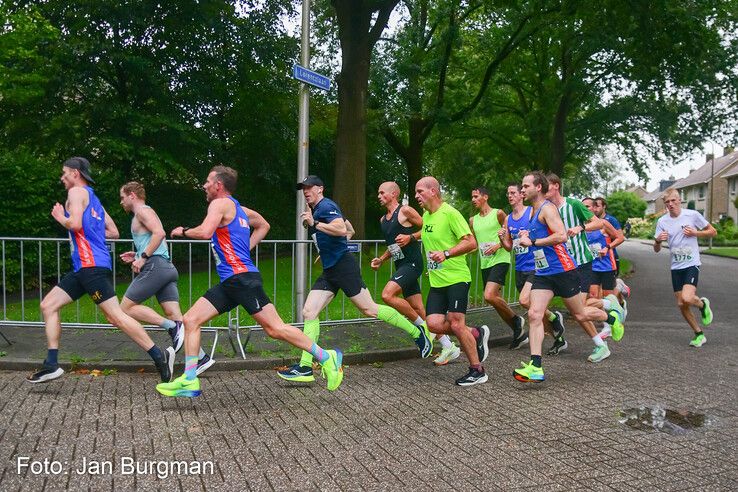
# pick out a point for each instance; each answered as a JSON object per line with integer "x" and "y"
{"x": 368, "y": 357}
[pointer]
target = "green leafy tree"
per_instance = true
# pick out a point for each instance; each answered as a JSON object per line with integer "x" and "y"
{"x": 624, "y": 205}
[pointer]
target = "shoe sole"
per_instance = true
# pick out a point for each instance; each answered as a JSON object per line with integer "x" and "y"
{"x": 454, "y": 356}
{"x": 698, "y": 346}
{"x": 48, "y": 377}
{"x": 520, "y": 344}
{"x": 179, "y": 337}
{"x": 171, "y": 355}
{"x": 204, "y": 367}
{"x": 183, "y": 393}
{"x": 298, "y": 379}
{"x": 484, "y": 343}
{"x": 481, "y": 380}
{"x": 523, "y": 379}
{"x": 598, "y": 360}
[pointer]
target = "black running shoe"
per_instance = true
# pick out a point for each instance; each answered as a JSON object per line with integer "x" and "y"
{"x": 472, "y": 377}
{"x": 177, "y": 334}
{"x": 45, "y": 374}
{"x": 424, "y": 343}
{"x": 558, "y": 346}
{"x": 519, "y": 341}
{"x": 558, "y": 325}
{"x": 483, "y": 343}
{"x": 166, "y": 365}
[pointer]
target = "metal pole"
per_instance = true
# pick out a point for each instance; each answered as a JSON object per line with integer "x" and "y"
{"x": 303, "y": 140}
{"x": 712, "y": 185}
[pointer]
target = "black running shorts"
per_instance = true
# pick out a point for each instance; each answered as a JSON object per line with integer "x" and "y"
{"x": 605, "y": 279}
{"x": 344, "y": 275}
{"x": 95, "y": 281}
{"x": 565, "y": 284}
{"x": 521, "y": 277}
{"x": 496, "y": 273}
{"x": 243, "y": 289}
{"x": 684, "y": 276}
{"x": 585, "y": 277}
{"x": 451, "y": 299}
{"x": 406, "y": 276}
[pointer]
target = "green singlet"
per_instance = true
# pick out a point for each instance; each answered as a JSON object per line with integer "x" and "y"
{"x": 575, "y": 213}
{"x": 442, "y": 230}
{"x": 485, "y": 230}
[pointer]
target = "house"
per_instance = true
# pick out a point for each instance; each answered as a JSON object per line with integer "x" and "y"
{"x": 706, "y": 183}
{"x": 730, "y": 175}
{"x": 639, "y": 191}
{"x": 654, "y": 203}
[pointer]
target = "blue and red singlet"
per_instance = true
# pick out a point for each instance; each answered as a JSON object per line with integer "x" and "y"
{"x": 231, "y": 246}
{"x": 88, "y": 244}
{"x": 597, "y": 240}
{"x": 549, "y": 260}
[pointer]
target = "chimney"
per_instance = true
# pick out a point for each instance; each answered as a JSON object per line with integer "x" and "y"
{"x": 728, "y": 149}
{"x": 709, "y": 157}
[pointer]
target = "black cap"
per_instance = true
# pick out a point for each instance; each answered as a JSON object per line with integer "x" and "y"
{"x": 82, "y": 165}
{"x": 311, "y": 180}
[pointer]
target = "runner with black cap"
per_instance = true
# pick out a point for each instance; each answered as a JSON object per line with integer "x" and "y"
{"x": 89, "y": 226}
{"x": 327, "y": 226}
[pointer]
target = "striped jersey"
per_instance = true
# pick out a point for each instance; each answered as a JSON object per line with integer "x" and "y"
{"x": 231, "y": 245}
{"x": 88, "y": 244}
{"x": 573, "y": 213}
{"x": 548, "y": 260}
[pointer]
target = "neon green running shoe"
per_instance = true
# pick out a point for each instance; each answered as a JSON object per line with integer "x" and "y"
{"x": 618, "y": 329}
{"x": 698, "y": 341}
{"x": 529, "y": 373}
{"x": 181, "y": 386}
{"x": 706, "y": 311}
{"x": 332, "y": 369}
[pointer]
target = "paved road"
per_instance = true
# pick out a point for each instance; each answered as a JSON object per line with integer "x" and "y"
{"x": 404, "y": 425}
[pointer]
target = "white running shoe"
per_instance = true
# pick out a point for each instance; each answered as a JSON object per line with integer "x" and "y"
{"x": 605, "y": 332}
{"x": 447, "y": 355}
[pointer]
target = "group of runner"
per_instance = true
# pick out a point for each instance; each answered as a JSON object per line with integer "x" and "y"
{"x": 560, "y": 246}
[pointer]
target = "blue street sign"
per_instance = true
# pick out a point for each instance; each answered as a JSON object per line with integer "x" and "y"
{"x": 309, "y": 77}
{"x": 353, "y": 247}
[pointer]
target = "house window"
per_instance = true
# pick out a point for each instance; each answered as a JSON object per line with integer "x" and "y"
{"x": 732, "y": 185}
{"x": 702, "y": 192}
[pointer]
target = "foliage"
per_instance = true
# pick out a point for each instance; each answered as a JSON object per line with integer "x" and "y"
{"x": 643, "y": 228}
{"x": 624, "y": 205}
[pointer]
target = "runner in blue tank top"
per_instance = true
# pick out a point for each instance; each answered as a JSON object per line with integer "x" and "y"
{"x": 519, "y": 220}
{"x": 555, "y": 274}
{"x": 234, "y": 231}
{"x": 89, "y": 226}
{"x": 328, "y": 227}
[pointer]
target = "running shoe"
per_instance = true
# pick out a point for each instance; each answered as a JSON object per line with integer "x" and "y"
{"x": 181, "y": 387}
{"x": 166, "y": 365}
{"x": 45, "y": 374}
{"x": 529, "y": 373}
{"x": 298, "y": 373}
{"x": 698, "y": 340}
{"x": 622, "y": 287}
{"x": 472, "y": 377}
{"x": 519, "y": 341}
{"x": 447, "y": 355}
{"x": 706, "y": 311}
{"x": 605, "y": 332}
{"x": 332, "y": 369}
{"x": 618, "y": 330}
{"x": 431, "y": 335}
{"x": 483, "y": 343}
{"x": 600, "y": 353}
{"x": 177, "y": 334}
{"x": 203, "y": 364}
{"x": 558, "y": 325}
{"x": 625, "y": 310}
{"x": 558, "y": 346}
{"x": 424, "y": 342}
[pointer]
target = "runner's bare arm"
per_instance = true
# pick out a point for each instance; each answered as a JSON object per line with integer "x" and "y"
{"x": 552, "y": 220}
{"x": 336, "y": 227}
{"x": 594, "y": 224}
{"x": 75, "y": 206}
{"x": 349, "y": 230}
{"x": 111, "y": 230}
{"x": 259, "y": 227}
{"x": 504, "y": 236}
{"x": 148, "y": 218}
{"x": 616, "y": 235}
{"x": 411, "y": 216}
{"x": 216, "y": 211}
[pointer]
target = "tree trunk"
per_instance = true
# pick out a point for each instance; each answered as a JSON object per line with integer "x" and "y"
{"x": 558, "y": 137}
{"x": 357, "y": 35}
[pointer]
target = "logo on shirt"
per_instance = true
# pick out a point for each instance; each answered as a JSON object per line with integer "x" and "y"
{"x": 333, "y": 212}
{"x": 95, "y": 215}
{"x": 428, "y": 228}
{"x": 243, "y": 222}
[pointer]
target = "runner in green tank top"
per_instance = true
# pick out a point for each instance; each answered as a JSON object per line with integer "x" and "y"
{"x": 447, "y": 239}
{"x": 495, "y": 262}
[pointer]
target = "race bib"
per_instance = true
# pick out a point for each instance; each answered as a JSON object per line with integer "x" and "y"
{"x": 396, "y": 252}
{"x": 539, "y": 257}
{"x": 484, "y": 247}
{"x": 595, "y": 248}
{"x": 570, "y": 246}
{"x": 679, "y": 255}
{"x": 517, "y": 248}
{"x": 432, "y": 265}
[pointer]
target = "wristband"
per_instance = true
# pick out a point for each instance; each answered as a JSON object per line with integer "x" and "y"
{"x": 184, "y": 231}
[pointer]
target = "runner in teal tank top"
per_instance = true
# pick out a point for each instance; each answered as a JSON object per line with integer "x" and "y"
{"x": 495, "y": 262}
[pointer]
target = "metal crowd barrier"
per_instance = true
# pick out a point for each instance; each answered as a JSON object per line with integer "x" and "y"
{"x": 31, "y": 266}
